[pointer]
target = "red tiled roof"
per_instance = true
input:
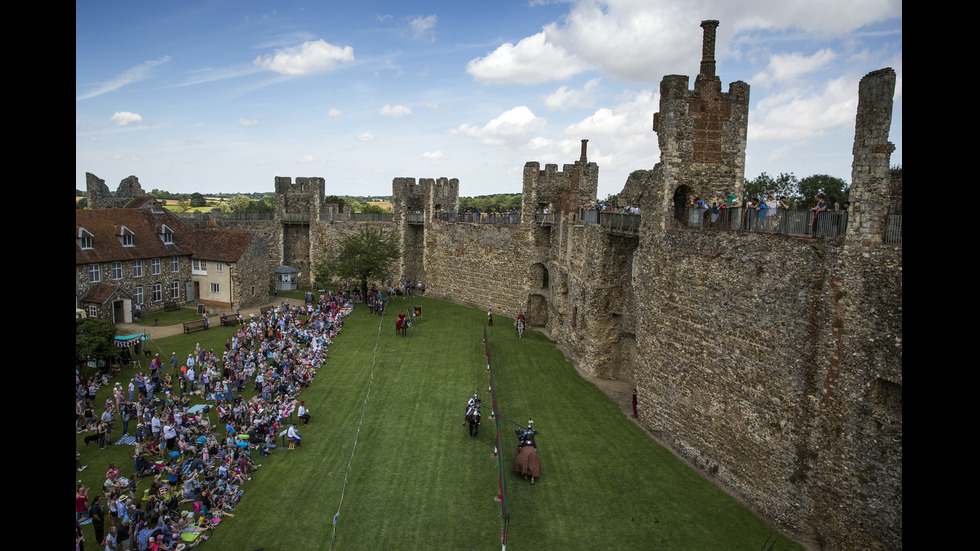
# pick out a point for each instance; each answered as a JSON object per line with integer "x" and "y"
{"x": 106, "y": 225}
{"x": 101, "y": 292}
{"x": 220, "y": 245}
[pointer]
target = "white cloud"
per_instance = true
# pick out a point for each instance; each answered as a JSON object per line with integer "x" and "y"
{"x": 308, "y": 58}
{"x": 395, "y": 111}
{"x": 434, "y": 155}
{"x": 789, "y": 67}
{"x": 248, "y": 122}
{"x": 135, "y": 74}
{"x": 512, "y": 128}
{"x": 563, "y": 98}
{"x": 421, "y": 25}
{"x": 125, "y": 118}
{"x": 334, "y": 112}
{"x": 802, "y": 113}
{"x": 364, "y": 137}
{"x": 532, "y": 61}
{"x": 307, "y": 159}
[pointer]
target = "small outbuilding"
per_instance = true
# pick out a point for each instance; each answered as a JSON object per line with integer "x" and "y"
{"x": 286, "y": 278}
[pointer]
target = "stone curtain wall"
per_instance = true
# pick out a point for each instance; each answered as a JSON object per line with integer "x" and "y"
{"x": 752, "y": 364}
{"x": 479, "y": 265}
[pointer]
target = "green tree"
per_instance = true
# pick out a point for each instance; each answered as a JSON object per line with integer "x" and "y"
{"x": 93, "y": 340}
{"x": 336, "y": 199}
{"x": 82, "y": 203}
{"x": 198, "y": 200}
{"x": 784, "y": 185}
{"x": 896, "y": 172}
{"x": 829, "y": 186}
{"x": 368, "y": 255}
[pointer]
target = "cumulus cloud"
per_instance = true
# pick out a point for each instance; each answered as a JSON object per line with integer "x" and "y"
{"x": 433, "y": 155}
{"x": 308, "y": 58}
{"x": 531, "y": 61}
{"x": 563, "y": 98}
{"x": 125, "y": 118}
{"x": 641, "y": 41}
{"x": 803, "y": 113}
{"x": 512, "y": 128}
{"x": 334, "y": 112}
{"x": 364, "y": 137}
{"x": 248, "y": 122}
{"x": 395, "y": 111}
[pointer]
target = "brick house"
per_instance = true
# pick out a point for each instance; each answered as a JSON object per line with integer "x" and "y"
{"x": 142, "y": 255}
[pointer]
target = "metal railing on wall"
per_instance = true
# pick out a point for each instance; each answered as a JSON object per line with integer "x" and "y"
{"x": 893, "y": 230}
{"x": 826, "y": 224}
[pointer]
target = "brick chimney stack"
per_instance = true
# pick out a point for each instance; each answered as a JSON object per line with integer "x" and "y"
{"x": 708, "y": 48}
{"x": 584, "y": 146}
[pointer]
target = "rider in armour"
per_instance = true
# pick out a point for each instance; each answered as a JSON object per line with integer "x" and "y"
{"x": 525, "y": 436}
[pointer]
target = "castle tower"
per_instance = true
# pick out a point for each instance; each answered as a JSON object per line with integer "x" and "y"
{"x": 870, "y": 170}
{"x": 298, "y": 207}
{"x": 702, "y": 132}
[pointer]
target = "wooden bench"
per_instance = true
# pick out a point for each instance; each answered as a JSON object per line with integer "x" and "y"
{"x": 170, "y": 307}
{"x": 194, "y": 325}
{"x": 227, "y": 320}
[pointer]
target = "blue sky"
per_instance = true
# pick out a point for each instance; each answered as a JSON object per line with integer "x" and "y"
{"x": 223, "y": 96}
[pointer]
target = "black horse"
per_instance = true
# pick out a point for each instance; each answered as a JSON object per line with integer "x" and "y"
{"x": 526, "y": 459}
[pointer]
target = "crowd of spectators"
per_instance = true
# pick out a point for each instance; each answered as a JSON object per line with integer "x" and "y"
{"x": 195, "y": 436}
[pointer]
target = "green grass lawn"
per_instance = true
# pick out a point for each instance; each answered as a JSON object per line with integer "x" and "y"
{"x": 416, "y": 480}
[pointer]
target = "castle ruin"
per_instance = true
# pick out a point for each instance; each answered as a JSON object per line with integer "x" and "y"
{"x": 772, "y": 363}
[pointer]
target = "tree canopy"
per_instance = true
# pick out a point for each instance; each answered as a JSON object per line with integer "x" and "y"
{"x": 93, "y": 339}
{"x": 366, "y": 256}
{"x": 800, "y": 193}
{"x": 501, "y": 202}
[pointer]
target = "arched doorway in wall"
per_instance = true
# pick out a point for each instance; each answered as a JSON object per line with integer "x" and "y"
{"x": 682, "y": 201}
{"x": 539, "y": 276}
{"x": 537, "y": 311}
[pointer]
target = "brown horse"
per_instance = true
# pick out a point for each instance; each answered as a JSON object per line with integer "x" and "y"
{"x": 526, "y": 460}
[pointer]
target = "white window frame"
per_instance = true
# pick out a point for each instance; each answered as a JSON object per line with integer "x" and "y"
{"x": 174, "y": 264}
{"x": 155, "y": 266}
{"x": 137, "y": 268}
{"x": 157, "y": 292}
{"x": 199, "y": 267}
{"x": 138, "y": 294}
{"x": 117, "y": 270}
{"x": 84, "y": 239}
{"x": 126, "y": 236}
{"x": 94, "y": 273}
{"x": 92, "y": 311}
{"x": 175, "y": 290}
{"x": 215, "y": 288}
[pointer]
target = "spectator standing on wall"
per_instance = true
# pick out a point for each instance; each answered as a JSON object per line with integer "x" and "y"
{"x": 490, "y": 317}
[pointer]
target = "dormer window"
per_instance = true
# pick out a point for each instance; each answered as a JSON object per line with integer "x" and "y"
{"x": 84, "y": 239}
{"x": 166, "y": 235}
{"x": 126, "y": 236}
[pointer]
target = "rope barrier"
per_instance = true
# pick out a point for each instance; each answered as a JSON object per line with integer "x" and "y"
{"x": 357, "y": 434}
